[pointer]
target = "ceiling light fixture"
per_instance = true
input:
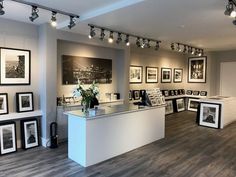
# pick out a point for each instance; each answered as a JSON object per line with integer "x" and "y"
{"x": 110, "y": 39}
{"x": 138, "y": 43}
{"x": 102, "y": 35}
{"x": 186, "y": 49}
{"x": 172, "y": 46}
{"x": 229, "y": 11}
{"x": 179, "y": 48}
{"x": 157, "y": 45}
{"x": 143, "y": 44}
{"x": 34, "y": 13}
{"x": 2, "y": 12}
{"x": 92, "y": 32}
{"x": 127, "y": 40}
{"x": 72, "y": 22}
{"x": 119, "y": 38}
{"x": 54, "y": 19}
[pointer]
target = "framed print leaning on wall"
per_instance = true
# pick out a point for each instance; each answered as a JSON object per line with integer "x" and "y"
{"x": 151, "y": 74}
{"x": 197, "y": 67}
{"x": 135, "y": 74}
{"x": 24, "y": 102}
{"x": 15, "y": 66}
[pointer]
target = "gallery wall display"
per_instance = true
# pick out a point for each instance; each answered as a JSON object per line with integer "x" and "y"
{"x": 193, "y": 104}
{"x": 86, "y": 70}
{"x": 169, "y": 107}
{"x": 197, "y": 68}
{"x": 3, "y": 103}
{"x": 24, "y": 102}
{"x": 151, "y": 74}
{"x": 15, "y": 66}
{"x": 178, "y": 75}
{"x": 166, "y": 75}
{"x": 210, "y": 115}
{"x": 8, "y": 137}
{"x": 29, "y": 133}
{"x": 180, "y": 104}
{"x": 135, "y": 74}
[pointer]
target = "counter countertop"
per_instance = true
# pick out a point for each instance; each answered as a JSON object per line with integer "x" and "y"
{"x": 110, "y": 110}
{"x": 217, "y": 99}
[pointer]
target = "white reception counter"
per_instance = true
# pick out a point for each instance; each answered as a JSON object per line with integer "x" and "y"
{"x": 113, "y": 131}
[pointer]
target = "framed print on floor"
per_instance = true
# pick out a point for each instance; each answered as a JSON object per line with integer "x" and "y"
{"x": 210, "y": 115}
{"x": 135, "y": 74}
{"x": 180, "y": 105}
{"x": 29, "y": 133}
{"x": 151, "y": 74}
{"x": 193, "y": 104}
{"x": 178, "y": 75}
{"x": 8, "y": 137}
{"x": 24, "y": 102}
{"x": 197, "y": 67}
{"x": 166, "y": 75}
{"x": 169, "y": 107}
{"x": 15, "y": 66}
{"x": 136, "y": 94}
{"x": 3, "y": 103}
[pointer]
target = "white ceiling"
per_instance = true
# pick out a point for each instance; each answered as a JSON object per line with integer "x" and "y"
{"x": 200, "y": 23}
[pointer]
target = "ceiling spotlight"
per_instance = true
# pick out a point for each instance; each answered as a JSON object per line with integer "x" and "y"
{"x": 143, "y": 45}
{"x": 2, "y": 12}
{"x": 119, "y": 38}
{"x": 102, "y": 35}
{"x": 229, "y": 9}
{"x": 110, "y": 39}
{"x": 234, "y": 22}
{"x": 185, "y": 49}
{"x": 127, "y": 40}
{"x": 148, "y": 43}
{"x": 192, "y": 51}
{"x": 189, "y": 49}
{"x": 157, "y": 45}
{"x": 54, "y": 19}
{"x": 72, "y": 22}
{"x": 34, "y": 13}
{"x": 179, "y": 48}
{"x": 196, "y": 51}
{"x": 92, "y": 32}
{"x": 138, "y": 43}
{"x": 172, "y": 46}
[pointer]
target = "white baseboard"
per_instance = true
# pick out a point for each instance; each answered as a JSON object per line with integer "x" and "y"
{"x": 45, "y": 142}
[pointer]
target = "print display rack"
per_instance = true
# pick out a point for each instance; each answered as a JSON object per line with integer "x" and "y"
{"x": 155, "y": 97}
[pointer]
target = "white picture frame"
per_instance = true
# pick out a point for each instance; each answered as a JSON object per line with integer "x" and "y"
{"x": 180, "y": 104}
{"x": 197, "y": 67}
{"x": 193, "y": 104}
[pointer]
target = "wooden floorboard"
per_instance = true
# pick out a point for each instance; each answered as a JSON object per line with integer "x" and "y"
{"x": 187, "y": 150}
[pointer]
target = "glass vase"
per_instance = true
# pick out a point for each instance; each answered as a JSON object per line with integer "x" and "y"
{"x": 86, "y": 106}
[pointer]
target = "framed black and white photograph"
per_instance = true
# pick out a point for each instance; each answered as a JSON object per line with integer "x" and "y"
{"x": 172, "y": 93}
{"x": 166, "y": 75}
{"x": 166, "y": 93}
{"x": 24, "y": 102}
{"x": 169, "y": 107}
{"x": 197, "y": 67}
{"x": 3, "y": 103}
{"x": 86, "y": 69}
{"x": 135, "y": 74}
{"x": 29, "y": 133}
{"x": 176, "y": 92}
{"x": 8, "y": 137}
{"x": 136, "y": 94}
{"x": 210, "y": 115}
{"x": 130, "y": 95}
{"x": 203, "y": 93}
{"x": 180, "y": 104}
{"x": 196, "y": 93}
{"x": 189, "y": 92}
{"x": 178, "y": 75}
{"x": 15, "y": 66}
{"x": 193, "y": 104}
{"x": 151, "y": 74}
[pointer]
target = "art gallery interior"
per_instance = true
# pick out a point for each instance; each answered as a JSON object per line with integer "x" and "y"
{"x": 163, "y": 73}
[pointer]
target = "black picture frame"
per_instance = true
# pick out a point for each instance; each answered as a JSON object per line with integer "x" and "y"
{"x": 136, "y": 94}
{"x": 171, "y": 93}
{"x": 166, "y": 75}
{"x": 153, "y": 73}
{"x": 178, "y": 75}
{"x": 203, "y": 93}
{"x": 189, "y": 92}
{"x": 4, "y": 109}
{"x": 15, "y": 66}
{"x": 176, "y": 92}
{"x": 24, "y": 102}
{"x": 165, "y": 93}
{"x": 197, "y": 68}
{"x": 29, "y": 133}
{"x": 196, "y": 93}
{"x": 135, "y": 74}
{"x": 210, "y": 115}
{"x": 8, "y": 143}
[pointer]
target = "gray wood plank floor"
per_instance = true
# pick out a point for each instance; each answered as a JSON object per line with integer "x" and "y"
{"x": 187, "y": 151}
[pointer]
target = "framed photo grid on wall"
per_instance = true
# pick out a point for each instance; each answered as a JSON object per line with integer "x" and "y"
{"x": 152, "y": 74}
{"x": 197, "y": 67}
{"x": 178, "y": 75}
{"x": 15, "y": 66}
{"x": 135, "y": 74}
{"x": 166, "y": 75}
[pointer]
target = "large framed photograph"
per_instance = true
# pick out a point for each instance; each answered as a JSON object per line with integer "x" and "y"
{"x": 151, "y": 74}
{"x": 8, "y": 137}
{"x": 29, "y": 133}
{"x": 197, "y": 68}
{"x": 24, "y": 101}
{"x": 3, "y": 103}
{"x": 15, "y": 66}
{"x": 135, "y": 74}
{"x": 178, "y": 75}
{"x": 210, "y": 115}
{"x": 180, "y": 104}
{"x": 193, "y": 104}
{"x": 169, "y": 107}
{"x": 166, "y": 75}
{"x": 86, "y": 70}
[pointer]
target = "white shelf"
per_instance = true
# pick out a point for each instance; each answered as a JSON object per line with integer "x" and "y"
{"x": 23, "y": 115}
{"x": 186, "y": 96}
